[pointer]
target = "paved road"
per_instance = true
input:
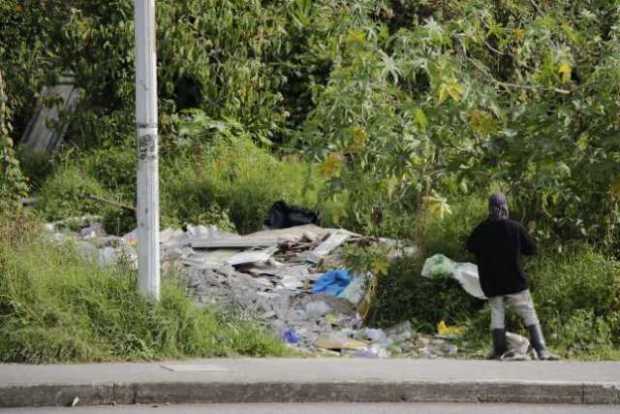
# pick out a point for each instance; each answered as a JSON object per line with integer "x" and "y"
{"x": 328, "y": 409}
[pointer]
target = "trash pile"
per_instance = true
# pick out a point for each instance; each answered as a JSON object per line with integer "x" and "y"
{"x": 293, "y": 280}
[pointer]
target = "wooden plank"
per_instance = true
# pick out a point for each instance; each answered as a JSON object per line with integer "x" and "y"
{"x": 38, "y": 136}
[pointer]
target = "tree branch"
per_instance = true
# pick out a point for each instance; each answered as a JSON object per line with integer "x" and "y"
{"x": 536, "y": 6}
{"x": 110, "y": 202}
{"x": 515, "y": 85}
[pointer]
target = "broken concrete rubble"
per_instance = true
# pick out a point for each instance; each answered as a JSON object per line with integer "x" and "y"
{"x": 269, "y": 276}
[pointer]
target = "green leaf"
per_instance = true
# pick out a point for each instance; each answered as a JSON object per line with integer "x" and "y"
{"x": 421, "y": 119}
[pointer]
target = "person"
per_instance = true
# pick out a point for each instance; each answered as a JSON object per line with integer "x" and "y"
{"x": 498, "y": 244}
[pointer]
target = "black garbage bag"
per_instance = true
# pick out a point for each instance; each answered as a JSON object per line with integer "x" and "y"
{"x": 281, "y": 216}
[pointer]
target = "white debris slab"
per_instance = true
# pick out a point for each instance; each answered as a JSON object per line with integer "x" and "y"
{"x": 211, "y": 259}
{"x": 253, "y": 256}
{"x": 266, "y": 238}
{"x": 233, "y": 242}
{"x": 335, "y": 240}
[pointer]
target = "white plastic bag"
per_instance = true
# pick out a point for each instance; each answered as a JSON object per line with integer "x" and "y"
{"x": 465, "y": 273}
{"x": 467, "y": 276}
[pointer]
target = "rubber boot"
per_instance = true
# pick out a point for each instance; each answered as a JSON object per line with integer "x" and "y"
{"x": 499, "y": 344}
{"x": 538, "y": 343}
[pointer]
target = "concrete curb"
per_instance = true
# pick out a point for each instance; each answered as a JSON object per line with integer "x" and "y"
{"x": 310, "y": 392}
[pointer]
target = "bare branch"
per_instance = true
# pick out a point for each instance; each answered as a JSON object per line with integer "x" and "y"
{"x": 536, "y": 6}
{"x": 110, "y": 202}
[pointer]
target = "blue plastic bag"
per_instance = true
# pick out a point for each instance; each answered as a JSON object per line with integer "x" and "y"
{"x": 290, "y": 336}
{"x": 333, "y": 282}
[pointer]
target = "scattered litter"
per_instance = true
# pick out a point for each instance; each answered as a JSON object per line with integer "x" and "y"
{"x": 267, "y": 276}
{"x": 290, "y": 337}
{"x": 131, "y": 238}
{"x": 233, "y": 242}
{"x": 356, "y": 290}
{"x": 518, "y": 347}
{"x": 315, "y": 310}
{"x": 446, "y": 331}
{"x": 372, "y": 352}
{"x": 451, "y": 349}
{"x": 282, "y": 215}
{"x": 438, "y": 266}
{"x": 332, "y": 282}
{"x": 335, "y": 240}
{"x": 86, "y": 250}
{"x": 340, "y": 342}
{"x": 402, "y": 331}
{"x": 107, "y": 256}
{"x": 92, "y": 231}
{"x": 210, "y": 259}
{"x": 375, "y": 335}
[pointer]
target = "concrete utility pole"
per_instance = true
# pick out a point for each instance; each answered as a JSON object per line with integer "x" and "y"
{"x": 148, "y": 163}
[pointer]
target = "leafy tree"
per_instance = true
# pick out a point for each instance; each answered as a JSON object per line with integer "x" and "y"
{"x": 408, "y": 104}
{"x": 13, "y": 185}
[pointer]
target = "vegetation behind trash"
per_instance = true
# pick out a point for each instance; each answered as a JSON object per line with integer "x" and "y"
{"x": 56, "y": 306}
{"x": 391, "y": 118}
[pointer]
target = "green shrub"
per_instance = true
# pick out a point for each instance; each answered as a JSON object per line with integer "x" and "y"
{"x": 58, "y": 307}
{"x": 577, "y": 294}
{"x": 114, "y": 167}
{"x": 37, "y": 166}
{"x": 403, "y": 294}
{"x": 236, "y": 176}
{"x": 231, "y": 183}
{"x": 65, "y": 194}
{"x": 448, "y": 235}
{"x": 578, "y": 278}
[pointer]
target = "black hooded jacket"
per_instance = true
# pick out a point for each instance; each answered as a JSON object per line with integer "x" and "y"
{"x": 498, "y": 246}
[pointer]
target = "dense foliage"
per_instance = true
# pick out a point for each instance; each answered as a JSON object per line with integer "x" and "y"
{"x": 12, "y": 182}
{"x": 406, "y": 104}
{"x": 391, "y": 117}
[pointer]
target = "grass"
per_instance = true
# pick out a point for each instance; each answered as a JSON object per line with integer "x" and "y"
{"x": 230, "y": 182}
{"x": 237, "y": 177}
{"x": 58, "y": 307}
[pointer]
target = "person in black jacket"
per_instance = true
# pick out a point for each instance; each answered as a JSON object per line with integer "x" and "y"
{"x": 498, "y": 244}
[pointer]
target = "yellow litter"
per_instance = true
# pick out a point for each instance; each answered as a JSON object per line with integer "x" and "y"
{"x": 445, "y": 330}
{"x": 327, "y": 342}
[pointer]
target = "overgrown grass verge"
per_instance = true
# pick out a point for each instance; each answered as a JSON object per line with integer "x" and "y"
{"x": 57, "y": 307}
